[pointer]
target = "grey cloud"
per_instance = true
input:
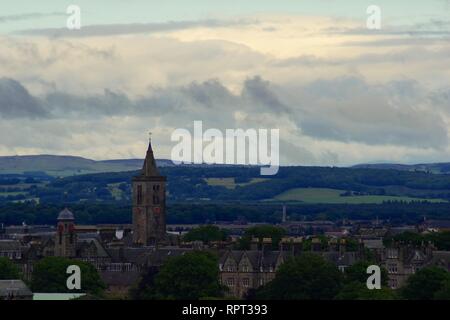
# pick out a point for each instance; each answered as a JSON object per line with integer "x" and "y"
{"x": 348, "y": 109}
{"x": 135, "y": 28}
{"x": 342, "y": 109}
{"x": 416, "y": 53}
{"x": 28, "y": 16}
{"x": 431, "y": 28}
{"x": 16, "y": 102}
{"x": 258, "y": 92}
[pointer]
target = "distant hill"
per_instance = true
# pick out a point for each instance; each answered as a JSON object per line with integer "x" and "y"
{"x": 63, "y": 166}
{"x": 438, "y": 168}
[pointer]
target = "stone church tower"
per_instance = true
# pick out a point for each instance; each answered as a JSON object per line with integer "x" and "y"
{"x": 149, "y": 204}
{"x": 66, "y": 238}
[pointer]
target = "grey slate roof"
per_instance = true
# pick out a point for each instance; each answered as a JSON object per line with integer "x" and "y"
{"x": 66, "y": 214}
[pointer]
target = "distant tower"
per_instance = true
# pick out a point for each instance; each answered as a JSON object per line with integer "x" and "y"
{"x": 66, "y": 238}
{"x": 283, "y": 219}
{"x": 149, "y": 203}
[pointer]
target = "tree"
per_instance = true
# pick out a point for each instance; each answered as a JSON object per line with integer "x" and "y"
{"x": 427, "y": 284}
{"x": 49, "y": 275}
{"x": 193, "y": 275}
{"x": 444, "y": 291}
{"x": 8, "y": 270}
{"x": 359, "y": 291}
{"x": 206, "y": 234}
{"x": 145, "y": 288}
{"x": 307, "y": 277}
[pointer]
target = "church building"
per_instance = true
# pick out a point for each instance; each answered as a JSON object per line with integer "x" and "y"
{"x": 149, "y": 204}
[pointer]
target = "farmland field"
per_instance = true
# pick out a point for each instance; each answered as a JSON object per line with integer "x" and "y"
{"x": 230, "y": 182}
{"x": 325, "y": 195}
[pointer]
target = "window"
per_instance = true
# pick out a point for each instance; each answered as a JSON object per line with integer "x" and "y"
{"x": 155, "y": 199}
{"x": 393, "y": 283}
{"x": 392, "y": 253}
{"x": 139, "y": 194}
{"x": 156, "y": 187}
{"x": 392, "y": 268}
{"x": 245, "y": 268}
{"x": 230, "y": 282}
{"x": 246, "y": 282}
{"x": 230, "y": 268}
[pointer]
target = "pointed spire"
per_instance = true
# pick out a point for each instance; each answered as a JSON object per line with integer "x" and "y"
{"x": 150, "y": 169}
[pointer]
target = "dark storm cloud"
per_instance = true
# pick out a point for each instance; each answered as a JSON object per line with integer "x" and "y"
{"x": 134, "y": 28}
{"x": 16, "y": 102}
{"x": 258, "y": 93}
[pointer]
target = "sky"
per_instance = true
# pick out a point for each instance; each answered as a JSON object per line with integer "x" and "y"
{"x": 340, "y": 93}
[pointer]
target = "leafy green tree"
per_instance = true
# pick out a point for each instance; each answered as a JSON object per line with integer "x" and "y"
{"x": 206, "y": 234}
{"x": 358, "y": 291}
{"x": 145, "y": 288}
{"x": 427, "y": 284}
{"x": 307, "y": 277}
{"x": 8, "y": 270}
{"x": 444, "y": 291}
{"x": 49, "y": 275}
{"x": 193, "y": 275}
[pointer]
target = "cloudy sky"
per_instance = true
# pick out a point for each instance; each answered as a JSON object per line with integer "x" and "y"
{"x": 340, "y": 93}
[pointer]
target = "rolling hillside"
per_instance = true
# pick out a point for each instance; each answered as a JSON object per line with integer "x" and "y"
{"x": 63, "y": 166}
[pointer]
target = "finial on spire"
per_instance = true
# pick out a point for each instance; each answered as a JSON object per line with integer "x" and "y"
{"x": 150, "y": 136}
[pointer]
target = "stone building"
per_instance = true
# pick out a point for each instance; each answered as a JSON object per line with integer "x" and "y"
{"x": 243, "y": 270}
{"x": 149, "y": 204}
{"x": 403, "y": 260}
{"x": 65, "y": 238}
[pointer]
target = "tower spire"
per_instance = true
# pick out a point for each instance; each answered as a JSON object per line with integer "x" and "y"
{"x": 150, "y": 169}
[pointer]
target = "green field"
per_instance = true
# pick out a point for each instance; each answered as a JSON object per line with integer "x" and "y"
{"x": 230, "y": 182}
{"x": 324, "y": 195}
